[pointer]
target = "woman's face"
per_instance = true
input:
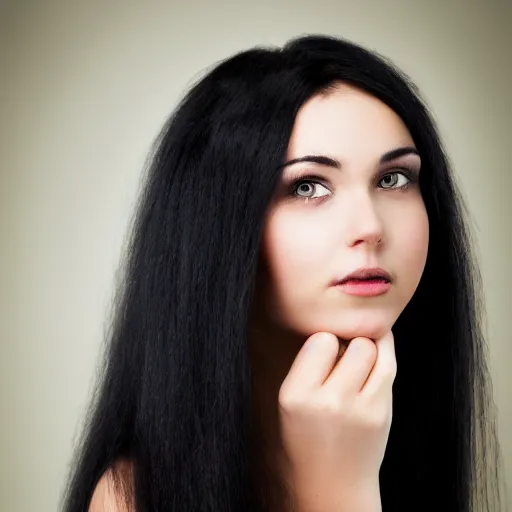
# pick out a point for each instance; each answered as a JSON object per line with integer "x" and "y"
{"x": 367, "y": 213}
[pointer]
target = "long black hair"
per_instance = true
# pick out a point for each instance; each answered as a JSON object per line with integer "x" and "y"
{"x": 174, "y": 391}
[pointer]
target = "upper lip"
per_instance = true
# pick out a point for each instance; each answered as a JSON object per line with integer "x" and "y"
{"x": 365, "y": 273}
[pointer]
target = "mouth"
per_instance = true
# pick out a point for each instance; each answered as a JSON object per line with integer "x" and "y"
{"x": 365, "y": 274}
{"x": 366, "y": 282}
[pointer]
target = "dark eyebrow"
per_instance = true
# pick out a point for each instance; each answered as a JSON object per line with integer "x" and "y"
{"x": 331, "y": 162}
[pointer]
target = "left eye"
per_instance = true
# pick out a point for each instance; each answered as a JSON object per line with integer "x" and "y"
{"x": 391, "y": 180}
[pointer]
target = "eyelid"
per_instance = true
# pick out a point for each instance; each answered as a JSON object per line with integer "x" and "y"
{"x": 305, "y": 174}
{"x": 411, "y": 171}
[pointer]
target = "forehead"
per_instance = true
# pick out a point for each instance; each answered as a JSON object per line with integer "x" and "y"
{"x": 348, "y": 123}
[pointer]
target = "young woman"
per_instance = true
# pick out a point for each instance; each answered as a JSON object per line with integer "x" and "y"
{"x": 299, "y": 202}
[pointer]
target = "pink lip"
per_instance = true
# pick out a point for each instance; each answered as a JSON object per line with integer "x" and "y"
{"x": 368, "y": 288}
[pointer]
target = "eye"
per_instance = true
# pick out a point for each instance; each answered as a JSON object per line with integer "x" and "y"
{"x": 392, "y": 181}
{"x": 306, "y": 188}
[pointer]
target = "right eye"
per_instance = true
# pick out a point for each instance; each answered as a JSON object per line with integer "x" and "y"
{"x": 305, "y": 188}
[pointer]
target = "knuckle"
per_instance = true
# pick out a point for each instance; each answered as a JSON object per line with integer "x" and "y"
{"x": 286, "y": 402}
{"x": 290, "y": 401}
{"x": 329, "y": 407}
{"x": 284, "y": 397}
{"x": 335, "y": 410}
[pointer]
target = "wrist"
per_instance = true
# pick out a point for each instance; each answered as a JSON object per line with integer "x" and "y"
{"x": 359, "y": 498}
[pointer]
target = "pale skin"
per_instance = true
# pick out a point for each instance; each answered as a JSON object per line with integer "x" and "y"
{"x": 324, "y": 420}
{"x": 349, "y": 218}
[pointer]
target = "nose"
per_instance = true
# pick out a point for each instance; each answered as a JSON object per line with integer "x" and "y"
{"x": 364, "y": 223}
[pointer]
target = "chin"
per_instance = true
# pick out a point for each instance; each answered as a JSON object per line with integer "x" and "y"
{"x": 352, "y": 324}
{"x": 374, "y": 332}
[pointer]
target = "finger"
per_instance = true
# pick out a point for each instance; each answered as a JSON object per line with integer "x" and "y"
{"x": 353, "y": 368}
{"x": 313, "y": 363}
{"x": 383, "y": 373}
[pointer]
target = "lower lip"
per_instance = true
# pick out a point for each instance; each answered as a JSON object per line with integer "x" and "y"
{"x": 369, "y": 288}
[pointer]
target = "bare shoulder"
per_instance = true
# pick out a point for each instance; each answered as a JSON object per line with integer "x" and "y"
{"x": 114, "y": 484}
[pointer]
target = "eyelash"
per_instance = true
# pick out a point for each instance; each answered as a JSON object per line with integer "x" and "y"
{"x": 297, "y": 181}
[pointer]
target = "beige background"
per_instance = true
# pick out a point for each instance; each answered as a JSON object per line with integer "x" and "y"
{"x": 85, "y": 87}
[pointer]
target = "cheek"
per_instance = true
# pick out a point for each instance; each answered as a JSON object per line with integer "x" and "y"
{"x": 296, "y": 254}
{"x": 411, "y": 248}
{"x": 295, "y": 249}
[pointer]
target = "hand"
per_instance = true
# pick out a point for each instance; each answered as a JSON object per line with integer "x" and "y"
{"x": 335, "y": 418}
